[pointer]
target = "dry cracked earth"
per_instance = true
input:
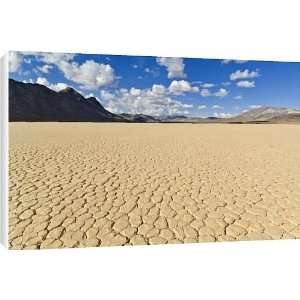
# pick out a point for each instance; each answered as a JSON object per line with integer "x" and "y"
{"x": 83, "y": 184}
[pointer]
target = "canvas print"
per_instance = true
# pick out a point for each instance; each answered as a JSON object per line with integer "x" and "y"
{"x": 111, "y": 150}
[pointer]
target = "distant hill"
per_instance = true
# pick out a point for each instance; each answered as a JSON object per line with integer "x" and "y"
{"x": 34, "y": 102}
{"x": 267, "y": 115}
{"x": 257, "y": 115}
{"x": 139, "y": 118}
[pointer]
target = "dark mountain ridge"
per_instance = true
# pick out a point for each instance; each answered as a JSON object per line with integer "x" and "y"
{"x": 36, "y": 103}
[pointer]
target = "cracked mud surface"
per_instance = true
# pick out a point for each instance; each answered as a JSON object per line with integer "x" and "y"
{"x": 83, "y": 184}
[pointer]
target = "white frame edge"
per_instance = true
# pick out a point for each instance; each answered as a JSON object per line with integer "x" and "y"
{"x": 4, "y": 149}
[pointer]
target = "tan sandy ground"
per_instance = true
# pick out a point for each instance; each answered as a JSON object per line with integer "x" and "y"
{"x": 83, "y": 184}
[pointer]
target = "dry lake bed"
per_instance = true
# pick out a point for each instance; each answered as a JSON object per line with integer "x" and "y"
{"x": 104, "y": 184}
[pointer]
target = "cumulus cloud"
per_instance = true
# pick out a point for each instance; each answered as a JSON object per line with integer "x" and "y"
{"x": 45, "y": 68}
{"x": 226, "y": 83}
{"x": 222, "y": 115}
{"x": 159, "y": 89}
{"x": 237, "y": 61}
{"x": 254, "y": 106}
{"x": 217, "y": 107}
{"x": 205, "y": 93}
{"x": 135, "y": 92}
{"x": 178, "y": 87}
{"x": 246, "y": 84}
{"x": 207, "y": 85}
{"x": 152, "y": 71}
{"x": 30, "y": 80}
{"x": 244, "y": 74}
{"x": 15, "y": 60}
{"x": 42, "y": 81}
{"x": 53, "y": 58}
{"x": 221, "y": 93}
{"x": 202, "y": 107}
{"x": 55, "y": 87}
{"x": 151, "y": 101}
{"x": 89, "y": 75}
{"x": 239, "y": 97}
{"x": 174, "y": 65}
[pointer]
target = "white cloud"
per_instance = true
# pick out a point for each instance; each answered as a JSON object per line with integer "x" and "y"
{"x": 154, "y": 71}
{"x": 207, "y": 85}
{"x": 45, "y": 68}
{"x": 15, "y": 60}
{"x": 151, "y": 101}
{"x": 174, "y": 65}
{"x": 107, "y": 96}
{"x": 55, "y": 87}
{"x": 28, "y": 81}
{"x": 159, "y": 89}
{"x": 254, "y": 106}
{"x": 90, "y": 74}
{"x": 205, "y": 93}
{"x": 42, "y": 81}
{"x": 226, "y": 83}
{"x": 58, "y": 86}
{"x": 53, "y": 58}
{"x": 221, "y": 93}
{"x": 90, "y": 95}
{"x": 135, "y": 66}
{"x": 135, "y": 92}
{"x": 217, "y": 107}
{"x": 202, "y": 107}
{"x": 237, "y": 61}
{"x": 246, "y": 84}
{"x": 239, "y": 97}
{"x": 178, "y": 87}
{"x": 222, "y": 115}
{"x": 244, "y": 74}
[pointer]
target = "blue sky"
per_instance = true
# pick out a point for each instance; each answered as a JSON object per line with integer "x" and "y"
{"x": 164, "y": 85}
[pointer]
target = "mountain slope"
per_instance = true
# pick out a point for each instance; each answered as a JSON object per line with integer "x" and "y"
{"x": 139, "y": 118}
{"x": 267, "y": 114}
{"x": 35, "y": 102}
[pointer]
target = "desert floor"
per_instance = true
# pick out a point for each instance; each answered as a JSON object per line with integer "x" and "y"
{"x": 84, "y": 184}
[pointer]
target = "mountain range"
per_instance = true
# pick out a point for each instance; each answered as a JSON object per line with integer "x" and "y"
{"x": 31, "y": 102}
{"x": 268, "y": 114}
{"x": 35, "y": 102}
